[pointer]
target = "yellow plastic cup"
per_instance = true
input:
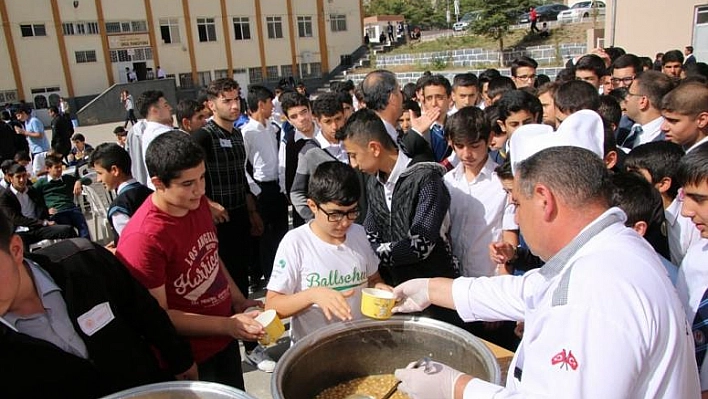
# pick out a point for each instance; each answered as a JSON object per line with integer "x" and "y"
{"x": 376, "y": 303}
{"x": 272, "y": 325}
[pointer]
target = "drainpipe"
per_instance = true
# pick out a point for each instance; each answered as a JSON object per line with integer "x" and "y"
{"x": 614, "y": 22}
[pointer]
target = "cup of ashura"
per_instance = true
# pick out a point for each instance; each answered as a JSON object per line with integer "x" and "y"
{"x": 272, "y": 325}
{"x": 376, "y": 303}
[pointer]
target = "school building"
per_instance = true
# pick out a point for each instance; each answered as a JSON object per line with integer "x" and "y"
{"x": 78, "y": 48}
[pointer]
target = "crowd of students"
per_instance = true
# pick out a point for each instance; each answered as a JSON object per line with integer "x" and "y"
{"x": 472, "y": 200}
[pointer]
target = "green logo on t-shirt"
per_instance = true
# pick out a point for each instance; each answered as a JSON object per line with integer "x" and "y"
{"x": 335, "y": 280}
{"x": 281, "y": 263}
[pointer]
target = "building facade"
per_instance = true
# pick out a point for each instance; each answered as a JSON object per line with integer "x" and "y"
{"x": 53, "y": 48}
{"x": 647, "y": 27}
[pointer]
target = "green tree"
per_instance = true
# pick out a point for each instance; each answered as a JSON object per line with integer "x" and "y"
{"x": 497, "y": 16}
{"x": 416, "y": 12}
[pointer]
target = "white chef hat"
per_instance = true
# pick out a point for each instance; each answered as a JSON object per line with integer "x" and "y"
{"x": 582, "y": 129}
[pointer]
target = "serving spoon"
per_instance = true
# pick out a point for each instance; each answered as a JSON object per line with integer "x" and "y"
{"x": 424, "y": 362}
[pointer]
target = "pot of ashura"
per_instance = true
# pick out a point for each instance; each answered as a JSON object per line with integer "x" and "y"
{"x": 359, "y": 357}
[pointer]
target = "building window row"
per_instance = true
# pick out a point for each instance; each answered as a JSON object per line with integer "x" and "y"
{"x": 80, "y": 28}
{"x": 85, "y": 56}
{"x": 33, "y": 30}
{"x": 113, "y": 27}
{"x": 8, "y": 96}
{"x": 128, "y": 55}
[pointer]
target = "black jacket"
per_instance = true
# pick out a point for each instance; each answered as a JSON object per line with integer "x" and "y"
{"x": 120, "y": 353}
{"x": 12, "y": 208}
{"x": 62, "y": 130}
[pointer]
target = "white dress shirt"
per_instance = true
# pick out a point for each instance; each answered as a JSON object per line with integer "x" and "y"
{"x": 28, "y": 208}
{"x": 691, "y": 284}
{"x": 261, "y": 145}
{"x": 476, "y": 210}
{"x": 650, "y": 132}
{"x": 605, "y": 323}
{"x": 681, "y": 232}
{"x": 152, "y": 130}
{"x": 390, "y": 183}
{"x": 334, "y": 150}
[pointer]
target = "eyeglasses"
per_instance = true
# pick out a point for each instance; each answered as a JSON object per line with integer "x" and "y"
{"x": 526, "y": 77}
{"x": 634, "y": 94}
{"x": 338, "y": 216}
{"x": 626, "y": 80}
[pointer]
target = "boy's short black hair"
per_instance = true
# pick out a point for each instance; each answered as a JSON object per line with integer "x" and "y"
{"x": 345, "y": 98}
{"x": 257, "y": 94}
{"x": 503, "y": 171}
{"x": 410, "y": 105}
{"x": 148, "y": 99}
{"x": 575, "y": 95}
{"x": 693, "y": 168}
{"x": 218, "y": 86}
{"x": 672, "y": 56}
{"x": 620, "y": 94}
{"x": 641, "y": 202}
{"x": 610, "y": 110}
{"x": 491, "y": 112}
{"x": 78, "y": 137}
{"x": 327, "y": 105}
{"x": 293, "y": 99}
{"x": 16, "y": 168}
{"x": 5, "y": 165}
{"x": 336, "y": 182}
{"x": 22, "y": 156}
{"x": 518, "y": 100}
{"x": 187, "y": 109}
{"x": 467, "y": 126}
{"x": 52, "y": 160}
{"x": 408, "y": 91}
{"x": 120, "y": 131}
{"x": 437, "y": 80}
{"x": 647, "y": 63}
{"x": 626, "y": 61}
{"x": 171, "y": 153}
{"x": 591, "y": 62}
{"x": 500, "y": 85}
{"x": 521, "y": 62}
{"x": 465, "y": 80}
{"x": 660, "y": 159}
{"x": 365, "y": 126}
{"x": 111, "y": 154}
{"x": 487, "y": 75}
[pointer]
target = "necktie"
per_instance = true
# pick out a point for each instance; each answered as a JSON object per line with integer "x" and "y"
{"x": 700, "y": 330}
{"x": 437, "y": 142}
{"x": 634, "y": 133}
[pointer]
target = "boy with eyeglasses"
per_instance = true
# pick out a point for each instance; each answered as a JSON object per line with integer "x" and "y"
{"x": 523, "y": 72}
{"x": 321, "y": 267}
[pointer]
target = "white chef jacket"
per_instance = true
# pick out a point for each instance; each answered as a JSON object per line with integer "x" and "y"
{"x": 603, "y": 323}
{"x": 476, "y": 210}
{"x": 691, "y": 284}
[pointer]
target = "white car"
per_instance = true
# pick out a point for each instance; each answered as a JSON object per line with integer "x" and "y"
{"x": 582, "y": 10}
{"x": 466, "y": 20}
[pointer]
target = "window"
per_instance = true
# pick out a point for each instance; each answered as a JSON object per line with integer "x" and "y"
{"x": 85, "y": 56}
{"x": 338, "y": 22}
{"x": 125, "y": 27}
{"x": 304, "y": 70}
{"x": 701, "y": 15}
{"x": 315, "y": 69}
{"x": 138, "y": 54}
{"x": 272, "y": 73}
{"x": 33, "y": 30}
{"x": 255, "y": 75}
{"x": 286, "y": 70}
{"x": 169, "y": 29}
{"x": 242, "y": 28}
{"x": 275, "y": 27}
{"x": 92, "y": 28}
{"x": 221, "y": 73}
{"x": 139, "y": 26}
{"x": 207, "y": 29}
{"x": 8, "y": 96}
{"x": 204, "y": 78}
{"x": 67, "y": 28}
{"x": 185, "y": 80}
{"x": 304, "y": 26}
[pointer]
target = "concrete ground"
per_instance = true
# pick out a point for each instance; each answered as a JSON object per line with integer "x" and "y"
{"x": 257, "y": 382}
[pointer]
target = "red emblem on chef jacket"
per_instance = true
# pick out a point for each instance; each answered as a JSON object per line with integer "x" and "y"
{"x": 566, "y": 359}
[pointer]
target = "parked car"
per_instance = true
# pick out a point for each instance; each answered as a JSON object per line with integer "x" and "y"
{"x": 466, "y": 20}
{"x": 582, "y": 9}
{"x": 548, "y": 12}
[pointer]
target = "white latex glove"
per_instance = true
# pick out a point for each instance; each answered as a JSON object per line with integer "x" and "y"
{"x": 412, "y": 296}
{"x": 436, "y": 380}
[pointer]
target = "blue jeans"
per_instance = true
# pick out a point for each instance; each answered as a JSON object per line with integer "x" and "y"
{"x": 73, "y": 217}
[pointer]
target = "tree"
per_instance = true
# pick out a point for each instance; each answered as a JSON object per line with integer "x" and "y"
{"x": 497, "y": 16}
{"x": 416, "y": 12}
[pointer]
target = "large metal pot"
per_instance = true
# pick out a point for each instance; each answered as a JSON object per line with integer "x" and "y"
{"x": 344, "y": 351}
{"x": 181, "y": 390}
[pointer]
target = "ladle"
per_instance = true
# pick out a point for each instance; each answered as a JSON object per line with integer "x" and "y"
{"x": 424, "y": 362}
